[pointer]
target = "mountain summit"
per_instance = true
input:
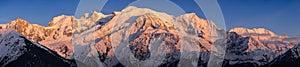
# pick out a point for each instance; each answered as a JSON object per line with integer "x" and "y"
{"x": 152, "y": 39}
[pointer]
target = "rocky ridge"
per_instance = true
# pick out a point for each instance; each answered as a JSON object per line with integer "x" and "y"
{"x": 20, "y": 51}
{"x": 97, "y": 37}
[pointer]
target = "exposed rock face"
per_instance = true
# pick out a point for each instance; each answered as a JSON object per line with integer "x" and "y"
{"x": 151, "y": 38}
{"x": 35, "y": 32}
{"x": 53, "y": 36}
{"x": 17, "y": 50}
{"x": 202, "y": 28}
{"x": 141, "y": 29}
{"x": 258, "y": 46}
{"x": 266, "y": 38}
{"x": 244, "y": 51}
{"x": 57, "y": 34}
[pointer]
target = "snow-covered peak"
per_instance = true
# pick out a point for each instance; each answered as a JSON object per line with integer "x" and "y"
{"x": 273, "y": 41}
{"x": 141, "y": 30}
{"x": 254, "y": 31}
{"x": 18, "y": 21}
{"x": 61, "y": 20}
{"x": 134, "y": 11}
{"x": 192, "y": 24}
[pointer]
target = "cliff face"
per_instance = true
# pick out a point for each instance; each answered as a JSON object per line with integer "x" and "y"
{"x": 143, "y": 35}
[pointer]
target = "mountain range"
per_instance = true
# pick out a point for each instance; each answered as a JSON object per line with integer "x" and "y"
{"x": 141, "y": 37}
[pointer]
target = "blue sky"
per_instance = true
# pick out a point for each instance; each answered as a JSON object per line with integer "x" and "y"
{"x": 280, "y": 16}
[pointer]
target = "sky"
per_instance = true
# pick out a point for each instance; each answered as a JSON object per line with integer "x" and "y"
{"x": 279, "y": 16}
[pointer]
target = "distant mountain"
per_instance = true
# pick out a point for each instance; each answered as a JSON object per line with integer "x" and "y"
{"x": 142, "y": 35}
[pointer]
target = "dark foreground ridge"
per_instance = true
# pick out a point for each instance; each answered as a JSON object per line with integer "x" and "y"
{"x": 291, "y": 58}
{"x": 28, "y": 53}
